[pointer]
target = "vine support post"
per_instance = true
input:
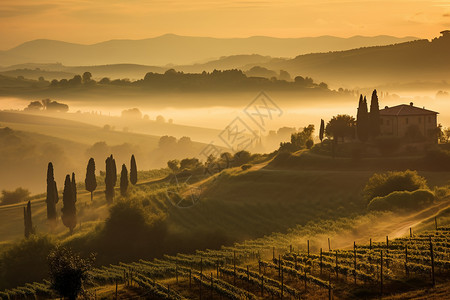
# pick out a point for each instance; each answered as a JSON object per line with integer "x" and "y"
{"x": 308, "y": 247}
{"x": 354, "y": 262}
{"x": 432, "y": 263}
{"x": 329, "y": 244}
{"x": 381, "y": 273}
{"x": 234, "y": 267}
{"x": 116, "y": 288}
{"x": 406, "y": 261}
{"x": 279, "y": 265}
{"x": 337, "y": 274}
{"x": 387, "y": 252}
{"x": 320, "y": 261}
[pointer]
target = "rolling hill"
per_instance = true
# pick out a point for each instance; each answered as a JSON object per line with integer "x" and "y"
{"x": 165, "y": 49}
{"x": 420, "y": 60}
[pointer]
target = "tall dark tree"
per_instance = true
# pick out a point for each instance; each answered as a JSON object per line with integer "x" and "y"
{"x": 110, "y": 179}
{"x": 124, "y": 181}
{"x": 74, "y": 188}
{"x": 90, "y": 182}
{"x": 322, "y": 130}
{"x": 374, "y": 116}
{"x": 362, "y": 120}
{"x": 29, "y": 230}
{"x": 133, "y": 170}
{"x": 69, "y": 210}
{"x": 52, "y": 194}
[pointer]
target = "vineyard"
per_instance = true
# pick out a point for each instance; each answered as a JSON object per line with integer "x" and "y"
{"x": 265, "y": 269}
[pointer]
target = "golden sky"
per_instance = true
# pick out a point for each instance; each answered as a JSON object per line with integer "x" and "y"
{"x": 83, "y": 21}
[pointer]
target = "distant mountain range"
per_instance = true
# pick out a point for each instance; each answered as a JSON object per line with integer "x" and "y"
{"x": 407, "y": 62}
{"x": 180, "y": 50}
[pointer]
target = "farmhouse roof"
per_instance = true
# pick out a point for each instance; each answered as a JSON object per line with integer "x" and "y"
{"x": 406, "y": 110}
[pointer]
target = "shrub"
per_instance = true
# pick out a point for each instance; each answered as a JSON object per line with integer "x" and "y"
{"x": 68, "y": 272}
{"x": 309, "y": 143}
{"x": 25, "y": 261}
{"x": 12, "y": 197}
{"x": 402, "y": 200}
{"x": 381, "y": 185}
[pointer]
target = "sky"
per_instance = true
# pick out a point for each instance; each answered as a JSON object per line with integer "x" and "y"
{"x": 88, "y": 22}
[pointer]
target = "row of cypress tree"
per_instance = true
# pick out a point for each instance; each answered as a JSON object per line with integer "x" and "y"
{"x": 69, "y": 212}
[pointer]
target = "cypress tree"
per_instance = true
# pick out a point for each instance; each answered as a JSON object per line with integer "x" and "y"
{"x": 322, "y": 129}
{"x": 90, "y": 182}
{"x": 52, "y": 194}
{"x": 133, "y": 170}
{"x": 362, "y": 120}
{"x": 374, "y": 116}
{"x": 69, "y": 211}
{"x": 110, "y": 178}
{"x": 27, "y": 220}
{"x": 124, "y": 181}
{"x": 74, "y": 188}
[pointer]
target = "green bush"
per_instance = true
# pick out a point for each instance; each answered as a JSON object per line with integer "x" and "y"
{"x": 402, "y": 200}
{"x": 25, "y": 261}
{"x": 381, "y": 185}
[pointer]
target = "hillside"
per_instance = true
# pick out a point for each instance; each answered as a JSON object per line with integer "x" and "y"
{"x": 165, "y": 49}
{"x": 370, "y": 66}
{"x": 28, "y": 142}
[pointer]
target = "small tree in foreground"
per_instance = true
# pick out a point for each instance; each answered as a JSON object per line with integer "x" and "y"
{"x": 68, "y": 272}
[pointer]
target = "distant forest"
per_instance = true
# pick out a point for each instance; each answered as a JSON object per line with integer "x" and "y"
{"x": 172, "y": 80}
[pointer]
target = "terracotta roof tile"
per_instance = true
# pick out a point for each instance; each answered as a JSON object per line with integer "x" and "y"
{"x": 405, "y": 110}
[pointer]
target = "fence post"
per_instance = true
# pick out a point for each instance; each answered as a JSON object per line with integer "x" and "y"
{"x": 432, "y": 262}
{"x": 282, "y": 284}
{"x": 329, "y": 245}
{"x": 190, "y": 278}
{"x": 410, "y": 232}
{"x": 273, "y": 252}
{"x": 176, "y": 271}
